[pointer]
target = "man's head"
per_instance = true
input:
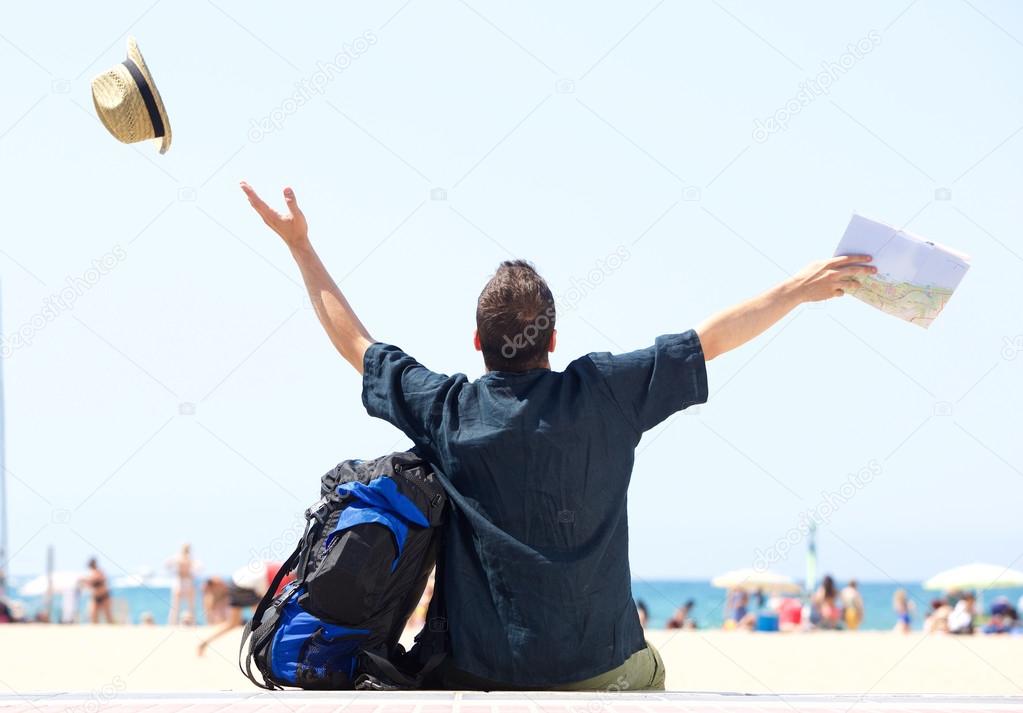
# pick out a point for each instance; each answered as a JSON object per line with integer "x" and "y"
{"x": 515, "y": 319}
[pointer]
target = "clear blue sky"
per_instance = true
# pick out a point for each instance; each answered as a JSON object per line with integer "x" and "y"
{"x": 561, "y": 133}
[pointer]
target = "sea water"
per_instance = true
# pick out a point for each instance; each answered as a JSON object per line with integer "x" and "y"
{"x": 661, "y": 598}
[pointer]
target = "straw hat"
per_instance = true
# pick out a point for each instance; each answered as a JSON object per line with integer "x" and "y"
{"x": 128, "y": 102}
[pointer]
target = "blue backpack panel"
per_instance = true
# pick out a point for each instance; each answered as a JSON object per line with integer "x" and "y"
{"x": 360, "y": 569}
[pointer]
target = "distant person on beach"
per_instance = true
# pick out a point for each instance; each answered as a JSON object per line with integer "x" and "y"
{"x": 740, "y": 616}
{"x": 215, "y": 600}
{"x": 936, "y": 621}
{"x": 760, "y": 599}
{"x": 536, "y": 561}
{"x": 644, "y": 615}
{"x": 1003, "y": 617}
{"x": 682, "y": 618}
{"x": 903, "y": 608}
{"x": 247, "y": 587}
{"x": 183, "y": 568}
{"x": 852, "y": 605}
{"x": 825, "y": 603}
{"x": 99, "y": 605}
{"x": 960, "y": 621}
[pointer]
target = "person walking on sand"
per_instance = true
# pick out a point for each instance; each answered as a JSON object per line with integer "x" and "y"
{"x": 215, "y": 600}
{"x": 852, "y": 605}
{"x": 96, "y": 580}
{"x": 184, "y": 569}
{"x": 247, "y": 587}
{"x": 535, "y": 573}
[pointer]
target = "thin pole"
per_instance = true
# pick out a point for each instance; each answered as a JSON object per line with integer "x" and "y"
{"x": 811, "y": 559}
{"x": 48, "y": 602}
{"x": 3, "y": 487}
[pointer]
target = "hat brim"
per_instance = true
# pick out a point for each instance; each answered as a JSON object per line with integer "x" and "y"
{"x": 136, "y": 56}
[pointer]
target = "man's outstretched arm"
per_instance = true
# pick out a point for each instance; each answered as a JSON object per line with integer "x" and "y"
{"x": 342, "y": 325}
{"x": 822, "y": 280}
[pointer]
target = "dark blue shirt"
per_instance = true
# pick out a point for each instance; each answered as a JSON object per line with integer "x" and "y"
{"x": 536, "y": 560}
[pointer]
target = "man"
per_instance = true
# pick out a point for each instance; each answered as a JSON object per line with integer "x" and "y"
{"x": 536, "y": 573}
{"x": 248, "y": 585}
{"x": 852, "y": 605}
{"x": 960, "y": 621}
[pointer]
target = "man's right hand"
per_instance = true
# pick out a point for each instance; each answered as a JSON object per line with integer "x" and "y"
{"x": 291, "y": 226}
{"x": 818, "y": 281}
{"x": 829, "y": 278}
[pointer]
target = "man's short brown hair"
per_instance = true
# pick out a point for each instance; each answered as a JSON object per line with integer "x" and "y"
{"x": 515, "y": 318}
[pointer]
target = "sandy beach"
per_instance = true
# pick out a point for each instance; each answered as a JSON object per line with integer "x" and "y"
{"x": 138, "y": 659}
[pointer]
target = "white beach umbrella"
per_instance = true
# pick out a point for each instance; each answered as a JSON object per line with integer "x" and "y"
{"x": 63, "y": 581}
{"x": 977, "y": 576}
{"x": 141, "y": 580}
{"x": 753, "y": 579}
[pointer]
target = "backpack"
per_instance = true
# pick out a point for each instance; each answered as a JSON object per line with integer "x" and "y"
{"x": 360, "y": 568}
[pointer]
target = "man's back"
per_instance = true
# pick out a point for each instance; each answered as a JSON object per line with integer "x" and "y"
{"x": 523, "y": 610}
{"x": 536, "y": 574}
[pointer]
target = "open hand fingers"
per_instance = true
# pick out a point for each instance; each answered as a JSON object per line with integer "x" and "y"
{"x": 265, "y": 211}
{"x": 849, "y": 278}
{"x": 844, "y": 260}
{"x": 852, "y": 271}
{"x": 292, "y": 202}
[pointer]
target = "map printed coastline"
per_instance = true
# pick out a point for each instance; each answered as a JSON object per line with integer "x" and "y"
{"x": 915, "y": 278}
{"x": 918, "y": 304}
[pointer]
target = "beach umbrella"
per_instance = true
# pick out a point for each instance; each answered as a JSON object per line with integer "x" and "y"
{"x": 62, "y": 582}
{"x": 753, "y": 579}
{"x": 979, "y": 576}
{"x": 143, "y": 580}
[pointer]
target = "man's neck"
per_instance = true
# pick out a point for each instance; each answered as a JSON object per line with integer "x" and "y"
{"x": 545, "y": 365}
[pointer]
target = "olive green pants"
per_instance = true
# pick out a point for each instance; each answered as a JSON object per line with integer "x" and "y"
{"x": 643, "y": 671}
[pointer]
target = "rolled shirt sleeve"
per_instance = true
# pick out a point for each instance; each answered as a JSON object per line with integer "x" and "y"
{"x": 400, "y": 390}
{"x": 651, "y": 384}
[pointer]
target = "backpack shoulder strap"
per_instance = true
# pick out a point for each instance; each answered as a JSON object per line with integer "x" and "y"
{"x": 257, "y": 615}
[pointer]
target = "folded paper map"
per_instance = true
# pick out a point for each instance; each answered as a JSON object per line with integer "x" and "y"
{"x": 915, "y": 277}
